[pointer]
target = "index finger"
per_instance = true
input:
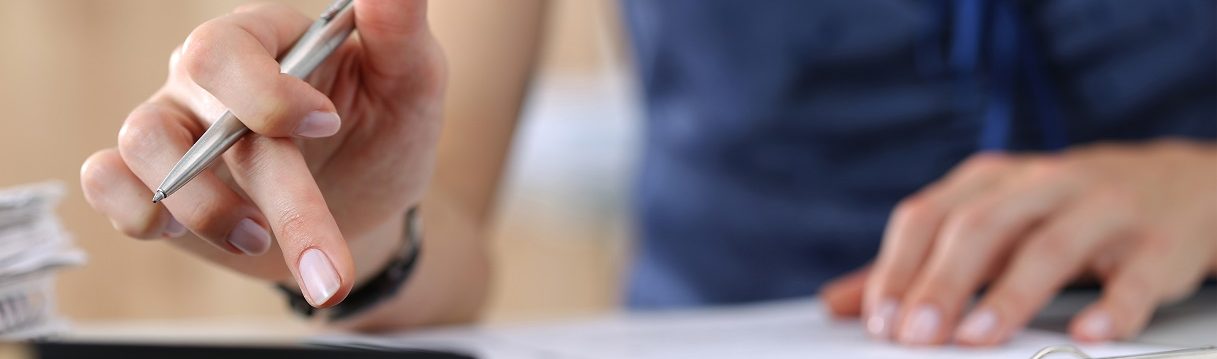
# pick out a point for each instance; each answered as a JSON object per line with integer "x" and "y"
{"x": 233, "y": 59}
{"x": 910, "y": 232}
{"x": 275, "y": 176}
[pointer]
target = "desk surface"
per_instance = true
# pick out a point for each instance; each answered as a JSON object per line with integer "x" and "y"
{"x": 1186, "y": 324}
{"x": 1190, "y": 323}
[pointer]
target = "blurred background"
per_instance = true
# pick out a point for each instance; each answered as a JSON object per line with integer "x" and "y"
{"x": 70, "y": 70}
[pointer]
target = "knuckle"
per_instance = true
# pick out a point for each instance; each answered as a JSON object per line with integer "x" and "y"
{"x": 129, "y": 136}
{"x": 972, "y": 218}
{"x": 134, "y": 231}
{"x": 942, "y": 289}
{"x": 1112, "y": 198}
{"x": 175, "y": 59}
{"x": 1156, "y": 243}
{"x": 916, "y": 210}
{"x": 270, "y": 111}
{"x": 1048, "y": 169}
{"x": 439, "y": 72}
{"x": 1051, "y": 248}
{"x": 246, "y": 158}
{"x": 269, "y": 114}
{"x": 881, "y": 281}
{"x": 136, "y": 130}
{"x": 140, "y": 223}
{"x": 1015, "y": 302}
{"x": 259, "y": 7}
{"x": 1071, "y": 172}
{"x": 93, "y": 177}
{"x": 127, "y": 230}
{"x": 1022, "y": 300}
{"x": 1051, "y": 170}
{"x": 1120, "y": 209}
{"x": 200, "y": 53}
{"x": 292, "y": 222}
{"x": 208, "y": 219}
{"x": 984, "y": 163}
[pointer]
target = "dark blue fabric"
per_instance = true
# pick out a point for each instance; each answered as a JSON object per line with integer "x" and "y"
{"x": 781, "y": 133}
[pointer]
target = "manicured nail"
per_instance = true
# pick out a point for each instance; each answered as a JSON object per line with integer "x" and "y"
{"x": 320, "y": 279}
{"x": 922, "y": 325}
{"x": 319, "y": 124}
{"x": 249, "y": 237}
{"x": 173, "y": 228}
{"x": 977, "y": 326}
{"x": 1097, "y": 325}
{"x": 880, "y": 321}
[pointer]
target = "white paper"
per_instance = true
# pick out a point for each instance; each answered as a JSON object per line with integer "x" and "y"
{"x": 775, "y": 330}
{"x": 33, "y": 244}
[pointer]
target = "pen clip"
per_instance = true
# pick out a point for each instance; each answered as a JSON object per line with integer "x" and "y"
{"x": 334, "y": 8}
{"x": 325, "y": 35}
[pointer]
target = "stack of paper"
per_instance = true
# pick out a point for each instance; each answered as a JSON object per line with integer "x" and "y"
{"x": 33, "y": 244}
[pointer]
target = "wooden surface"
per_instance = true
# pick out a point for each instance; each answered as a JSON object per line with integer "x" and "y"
{"x": 70, "y": 70}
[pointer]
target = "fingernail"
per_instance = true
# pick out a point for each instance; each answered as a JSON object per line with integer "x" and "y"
{"x": 319, "y": 124}
{"x": 320, "y": 279}
{"x": 879, "y": 322}
{"x": 978, "y": 326}
{"x": 249, "y": 237}
{"x": 921, "y": 326}
{"x": 1097, "y": 325}
{"x": 173, "y": 228}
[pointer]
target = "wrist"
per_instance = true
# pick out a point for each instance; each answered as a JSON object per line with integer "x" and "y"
{"x": 378, "y": 248}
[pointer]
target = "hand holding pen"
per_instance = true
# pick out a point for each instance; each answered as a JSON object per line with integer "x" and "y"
{"x": 305, "y": 172}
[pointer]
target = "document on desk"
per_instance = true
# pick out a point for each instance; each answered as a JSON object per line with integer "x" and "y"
{"x": 33, "y": 246}
{"x": 776, "y": 330}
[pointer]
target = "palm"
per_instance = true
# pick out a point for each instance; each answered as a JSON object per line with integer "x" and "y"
{"x": 378, "y": 164}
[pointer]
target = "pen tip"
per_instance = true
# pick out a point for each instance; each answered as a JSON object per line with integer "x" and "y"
{"x": 160, "y": 195}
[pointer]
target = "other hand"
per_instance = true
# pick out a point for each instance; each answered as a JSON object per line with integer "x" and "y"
{"x": 1141, "y": 219}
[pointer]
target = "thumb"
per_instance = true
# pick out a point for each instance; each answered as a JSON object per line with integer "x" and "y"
{"x": 843, "y": 295}
{"x": 392, "y": 33}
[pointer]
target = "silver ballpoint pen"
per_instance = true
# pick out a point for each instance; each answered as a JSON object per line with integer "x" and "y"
{"x": 329, "y": 31}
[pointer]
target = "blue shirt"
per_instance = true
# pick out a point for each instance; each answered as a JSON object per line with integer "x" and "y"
{"x": 781, "y": 133}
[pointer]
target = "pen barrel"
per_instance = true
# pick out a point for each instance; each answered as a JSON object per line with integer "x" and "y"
{"x": 311, "y": 49}
{"x": 218, "y": 138}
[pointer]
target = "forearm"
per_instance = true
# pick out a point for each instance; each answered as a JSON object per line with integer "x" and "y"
{"x": 450, "y": 281}
{"x": 491, "y": 49}
{"x": 1196, "y": 163}
{"x": 1208, "y": 196}
{"x": 1200, "y": 159}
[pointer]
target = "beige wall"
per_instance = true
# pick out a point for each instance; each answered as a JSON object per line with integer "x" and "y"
{"x": 71, "y": 69}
